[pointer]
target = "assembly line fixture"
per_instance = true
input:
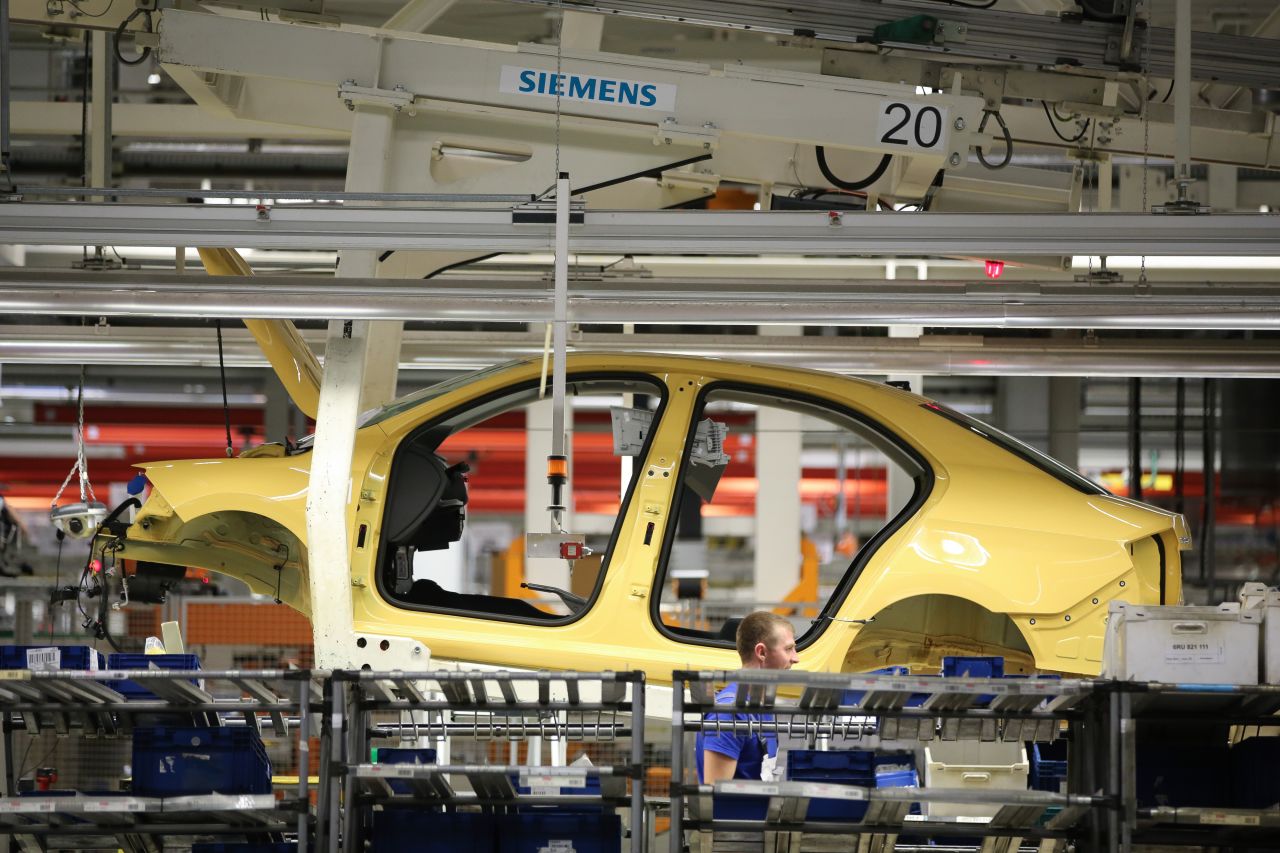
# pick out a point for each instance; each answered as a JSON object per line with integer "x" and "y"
{"x": 87, "y": 704}
{"x": 487, "y": 706}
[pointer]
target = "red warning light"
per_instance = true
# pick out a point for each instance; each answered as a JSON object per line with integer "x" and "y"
{"x": 95, "y": 566}
{"x": 994, "y": 268}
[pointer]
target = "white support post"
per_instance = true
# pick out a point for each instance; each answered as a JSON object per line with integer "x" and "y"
{"x": 778, "y": 511}
{"x": 899, "y": 485}
{"x": 346, "y": 359}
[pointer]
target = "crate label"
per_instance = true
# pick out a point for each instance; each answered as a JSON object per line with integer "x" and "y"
{"x": 44, "y": 660}
{"x": 116, "y": 804}
{"x": 1228, "y": 819}
{"x": 966, "y": 819}
{"x": 558, "y": 845}
{"x": 1192, "y": 651}
{"x": 403, "y": 771}
{"x": 747, "y": 788}
{"x": 544, "y": 790}
{"x": 8, "y": 806}
{"x": 554, "y": 780}
{"x": 830, "y": 791}
{"x": 41, "y": 804}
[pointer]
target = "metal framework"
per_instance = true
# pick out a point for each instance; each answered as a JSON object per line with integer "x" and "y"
{"x": 644, "y": 232}
{"x": 953, "y": 304}
{"x": 958, "y": 355}
{"x": 987, "y": 34}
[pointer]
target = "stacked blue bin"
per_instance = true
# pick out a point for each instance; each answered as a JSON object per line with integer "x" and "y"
{"x": 581, "y": 833}
{"x": 402, "y": 830}
{"x": 839, "y": 767}
{"x": 69, "y": 657}
{"x": 171, "y": 762}
{"x": 400, "y": 755}
{"x": 138, "y": 691}
{"x": 1048, "y": 770}
{"x": 1255, "y": 782}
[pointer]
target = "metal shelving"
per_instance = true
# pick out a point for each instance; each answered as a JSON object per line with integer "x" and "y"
{"x": 483, "y": 706}
{"x": 75, "y": 703}
{"x": 912, "y": 708}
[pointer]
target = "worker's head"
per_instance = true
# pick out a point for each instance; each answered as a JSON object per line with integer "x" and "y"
{"x": 766, "y": 641}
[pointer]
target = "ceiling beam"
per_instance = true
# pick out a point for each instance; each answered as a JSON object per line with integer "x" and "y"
{"x": 647, "y": 232}
{"x": 649, "y": 300}
{"x": 959, "y": 355}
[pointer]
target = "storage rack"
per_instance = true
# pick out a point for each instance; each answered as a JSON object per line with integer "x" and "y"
{"x": 1223, "y": 703}
{"x": 83, "y": 702}
{"x": 481, "y": 705}
{"x": 1012, "y": 710}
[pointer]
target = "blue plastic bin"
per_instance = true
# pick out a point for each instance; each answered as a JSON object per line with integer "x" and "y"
{"x": 130, "y": 660}
{"x": 973, "y": 667}
{"x": 592, "y": 788}
{"x": 71, "y": 657}
{"x": 739, "y": 807}
{"x": 853, "y": 697}
{"x": 400, "y": 755}
{"x": 1255, "y": 782}
{"x": 169, "y": 762}
{"x": 839, "y": 767}
{"x": 1048, "y": 768}
{"x": 410, "y": 829}
{"x": 533, "y": 833}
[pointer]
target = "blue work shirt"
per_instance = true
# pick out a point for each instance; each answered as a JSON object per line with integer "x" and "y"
{"x": 749, "y": 749}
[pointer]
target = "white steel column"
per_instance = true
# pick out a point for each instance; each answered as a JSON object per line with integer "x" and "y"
{"x": 899, "y": 487}
{"x": 346, "y": 358}
{"x": 777, "y": 530}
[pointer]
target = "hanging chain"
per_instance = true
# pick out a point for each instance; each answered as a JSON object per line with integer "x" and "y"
{"x": 81, "y": 465}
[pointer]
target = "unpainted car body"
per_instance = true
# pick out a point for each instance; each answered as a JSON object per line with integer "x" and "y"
{"x": 999, "y": 551}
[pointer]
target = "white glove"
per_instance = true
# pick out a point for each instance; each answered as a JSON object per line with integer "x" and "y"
{"x": 769, "y": 768}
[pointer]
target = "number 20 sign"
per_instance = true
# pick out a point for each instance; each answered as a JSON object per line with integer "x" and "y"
{"x": 913, "y": 125}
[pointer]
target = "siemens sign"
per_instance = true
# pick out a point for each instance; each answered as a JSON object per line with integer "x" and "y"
{"x": 581, "y": 87}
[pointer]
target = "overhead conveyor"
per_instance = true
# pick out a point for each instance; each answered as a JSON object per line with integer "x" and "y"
{"x": 986, "y": 34}
{"x": 653, "y": 300}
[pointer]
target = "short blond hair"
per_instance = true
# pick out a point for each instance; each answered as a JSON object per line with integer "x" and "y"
{"x": 759, "y": 627}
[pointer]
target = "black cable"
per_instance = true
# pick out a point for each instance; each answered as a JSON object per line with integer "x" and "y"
{"x": 222, "y": 371}
{"x": 1059, "y": 116}
{"x": 986, "y": 5}
{"x": 851, "y": 185}
{"x": 73, "y": 4}
{"x": 57, "y": 580}
{"x": 1167, "y": 93}
{"x": 120, "y": 31}
{"x": 1052, "y": 124}
{"x": 1008, "y": 140}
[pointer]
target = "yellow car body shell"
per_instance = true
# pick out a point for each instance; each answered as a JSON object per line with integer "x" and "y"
{"x": 994, "y": 530}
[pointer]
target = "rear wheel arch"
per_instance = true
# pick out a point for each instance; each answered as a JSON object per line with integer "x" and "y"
{"x": 918, "y": 631}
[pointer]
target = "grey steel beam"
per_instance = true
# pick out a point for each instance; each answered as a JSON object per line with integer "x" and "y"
{"x": 960, "y": 355}
{"x": 647, "y": 232}
{"x": 991, "y": 35}
{"x": 955, "y": 304}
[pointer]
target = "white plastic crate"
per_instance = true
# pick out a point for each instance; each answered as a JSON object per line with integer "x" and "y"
{"x": 1182, "y": 645}
{"x": 973, "y": 766}
{"x": 1256, "y": 596}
